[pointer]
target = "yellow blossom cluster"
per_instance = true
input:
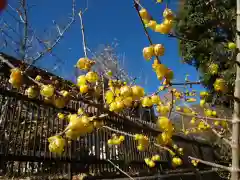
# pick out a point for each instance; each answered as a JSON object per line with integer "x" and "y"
{"x": 151, "y": 162}
{"x": 164, "y": 27}
{"x": 143, "y": 142}
{"x": 116, "y": 140}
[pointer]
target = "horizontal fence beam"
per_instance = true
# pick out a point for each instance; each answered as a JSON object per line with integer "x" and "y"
{"x": 131, "y": 123}
{"x": 169, "y": 175}
{"x": 89, "y": 160}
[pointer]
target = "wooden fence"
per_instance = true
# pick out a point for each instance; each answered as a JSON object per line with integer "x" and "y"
{"x": 25, "y": 125}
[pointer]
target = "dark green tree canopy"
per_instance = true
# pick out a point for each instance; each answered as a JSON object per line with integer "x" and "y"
{"x": 207, "y": 27}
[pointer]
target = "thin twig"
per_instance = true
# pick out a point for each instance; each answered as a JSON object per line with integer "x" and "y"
{"x": 202, "y": 117}
{"x": 59, "y": 38}
{"x": 103, "y": 88}
{"x": 131, "y": 135}
{"x": 181, "y": 38}
{"x": 25, "y": 30}
{"x": 83, "y": 35}
{"x": 117, "y": 131}
{"x": 211, "y": 164}
{"x": 139, "y": 4}
{"x": 116, "y": 166}
{"x": 185, "y": 83}
{"x": 217, "y": 134}
{"x": 183, "y": 126}
{"x": 213, "y": 130}
{"x": 32, "y": 31}
{"x": 162, "y": 147}
{"x": 133, "y": 81}
{"x": 171, "y": 108}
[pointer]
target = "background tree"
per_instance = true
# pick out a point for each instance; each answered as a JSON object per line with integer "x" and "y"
{"x": 209, "y": 26}
{"x": 108, "y": 61}
{"x": 19, "y": 38}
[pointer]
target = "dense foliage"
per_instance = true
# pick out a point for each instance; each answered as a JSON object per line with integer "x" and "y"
{"x": 206, "y": 28}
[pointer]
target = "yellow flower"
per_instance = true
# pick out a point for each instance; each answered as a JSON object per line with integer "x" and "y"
{"x": 92, "y": 77}
{"x": 148, "y": 52}
{"x": 81, "y": 80}
{"x": 47, "y": 91}
{"x": 146, "y": 102}
{"x": 56, "y": 144}
{"x": 220, "y": 85}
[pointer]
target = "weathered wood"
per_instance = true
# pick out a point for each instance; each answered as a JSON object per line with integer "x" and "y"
{"x": 25, "y": 125}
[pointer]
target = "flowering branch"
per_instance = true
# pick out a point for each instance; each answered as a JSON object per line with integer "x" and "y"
{"x": 202, "y": 117}
{"x": 213, "y": 130}
{"x": 219, "y": 135}
{"x": 131, "y": 135}
{"x": 212, "y": 164}
{"x": 137, "y": 5}
{"x": 117, "y": 131}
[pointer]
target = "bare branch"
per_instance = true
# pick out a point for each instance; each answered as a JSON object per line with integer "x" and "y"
{"x": 59, "y": 38}
{"x": 25, "y": 35}
{"x": 211, "y": 164}
{"x": 20, "y": 16}
{"x": 184, "y": 83}
{"x": 103, "y": 89}
{"x": 171, "y": 108}
{"x": 83, "y": 35}
{"x": 181, "y": 38}
{"x": 183, "y": 126}
{"x": 120, "y": 169}
{"x": 131, "y": 135}
{"x": 118, "y": 131}
{"x": 107, "y": 59}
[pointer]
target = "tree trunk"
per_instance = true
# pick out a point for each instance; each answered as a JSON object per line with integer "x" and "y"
{"x": 236, "y": 113}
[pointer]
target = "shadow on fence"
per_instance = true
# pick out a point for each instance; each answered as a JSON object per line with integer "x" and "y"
{"x": 25, "y": 125}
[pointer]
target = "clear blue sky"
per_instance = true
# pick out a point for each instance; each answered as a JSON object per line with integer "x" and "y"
{"x": 105, "y": 21}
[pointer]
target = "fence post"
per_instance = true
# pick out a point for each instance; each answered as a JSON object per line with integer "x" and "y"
{"x": 70, "y": 173}
{"x": 200, "y": 151}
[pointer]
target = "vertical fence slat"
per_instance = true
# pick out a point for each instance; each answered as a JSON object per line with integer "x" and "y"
{"x": 28, "y": 127}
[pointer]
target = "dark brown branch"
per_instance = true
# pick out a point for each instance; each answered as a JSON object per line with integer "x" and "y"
{"x": 181, "y": 38}
{"x": 185, "y": 83}
{"x": 171, "y": 108}
{"x": 144, "y": 27}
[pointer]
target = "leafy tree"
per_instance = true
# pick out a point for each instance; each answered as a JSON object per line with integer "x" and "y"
{"x": 206, "y": 28}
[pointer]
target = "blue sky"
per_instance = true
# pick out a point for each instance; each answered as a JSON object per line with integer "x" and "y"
{"x": 104, "y": 22}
